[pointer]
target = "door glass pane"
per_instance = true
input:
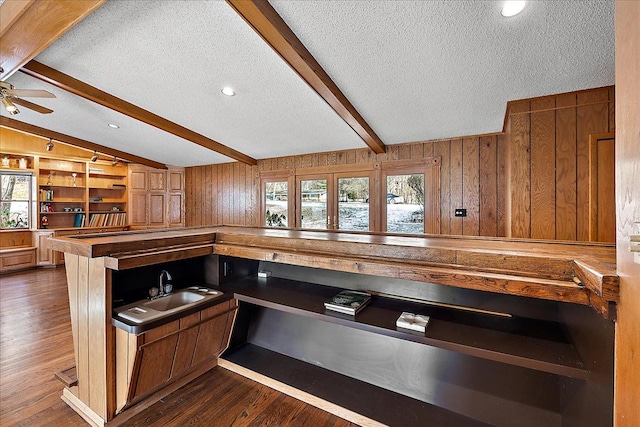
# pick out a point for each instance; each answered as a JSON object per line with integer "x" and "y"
{"x": 276, "y": 196}
{"x": 353, "y": 204}
{"x": 405, "y": 203}
{"x": 313, "y": 203}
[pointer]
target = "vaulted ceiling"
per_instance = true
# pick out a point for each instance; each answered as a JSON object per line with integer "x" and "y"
{"x": 378, "y": 72}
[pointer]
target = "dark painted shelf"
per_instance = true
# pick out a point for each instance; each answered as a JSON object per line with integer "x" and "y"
{"x": 382, "y": 405}
{"x": 534, "y": 344}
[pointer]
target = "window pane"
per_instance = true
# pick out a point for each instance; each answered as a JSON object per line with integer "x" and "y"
{"x": 313, "y": 203}
{"x": 14, "y": 210}
{"x": 353, "y": 204}
{"x": 15, "y": 215}
{"x": 276, "y": 196}
{"x": 405, "y": 203}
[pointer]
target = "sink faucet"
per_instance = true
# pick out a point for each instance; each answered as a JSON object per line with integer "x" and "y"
{"x": 161, "y": 285}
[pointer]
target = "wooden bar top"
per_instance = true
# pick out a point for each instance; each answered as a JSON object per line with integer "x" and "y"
{"x": 582, "y": 273}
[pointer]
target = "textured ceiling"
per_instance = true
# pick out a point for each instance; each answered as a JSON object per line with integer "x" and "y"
{"x": 414, "y": 70}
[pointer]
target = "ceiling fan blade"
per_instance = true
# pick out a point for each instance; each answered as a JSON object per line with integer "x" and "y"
{"x": 30, "y": 93}
{"x": 31, "y": 105}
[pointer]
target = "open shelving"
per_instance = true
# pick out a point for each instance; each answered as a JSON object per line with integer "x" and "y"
{"x": 68, "y": 189}
{"x": 62, "y": 192}
{"x": 535, "y": 344}
{"x": 107, "y": 195}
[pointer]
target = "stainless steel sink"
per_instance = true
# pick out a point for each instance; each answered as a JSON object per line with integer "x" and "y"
{"x": 173, "y": 301}
{"x": 145, "y": 310}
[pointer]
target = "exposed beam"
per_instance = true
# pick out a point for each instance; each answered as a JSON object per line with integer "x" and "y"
{"x": 263, "y": 18}
{"x": 28, "y": 27}
{"x": 77, "y": 87}
{"x": 77, "y": 142}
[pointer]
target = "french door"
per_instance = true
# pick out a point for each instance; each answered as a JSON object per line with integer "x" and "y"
{"x": 335, "y": 201}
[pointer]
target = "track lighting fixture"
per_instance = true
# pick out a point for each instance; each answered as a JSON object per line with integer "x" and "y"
{"x": 94, "y": 157}
{"x": 115, "y": 161}
{"x": 10, "y": 106}
{"x": 49, "y": 145}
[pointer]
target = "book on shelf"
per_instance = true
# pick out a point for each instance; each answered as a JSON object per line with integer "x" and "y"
{"x": 78, "y": 221}
{"x": 108, "y": 219}
{"x": 413, "y": 322}
{"x": 348, "y": 302}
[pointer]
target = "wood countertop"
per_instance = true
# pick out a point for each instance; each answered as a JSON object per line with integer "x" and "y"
{"x": 582, "y": 273}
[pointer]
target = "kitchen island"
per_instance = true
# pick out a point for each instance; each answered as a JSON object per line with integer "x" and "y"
{"x": 122, "y": 368}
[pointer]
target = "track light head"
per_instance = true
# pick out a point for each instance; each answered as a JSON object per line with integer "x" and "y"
{"x": 94, "y": 157}
{"x": 49, "y": 145}
{"x": 115, "y": 161}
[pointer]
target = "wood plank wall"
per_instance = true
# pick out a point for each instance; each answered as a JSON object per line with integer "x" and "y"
{"x": 530, "y": 181}
{"x": 549, "y": 162}
{"x": 229, "y": 193}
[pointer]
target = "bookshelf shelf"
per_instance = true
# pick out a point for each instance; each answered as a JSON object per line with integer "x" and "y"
{"x": 534, "y": 344}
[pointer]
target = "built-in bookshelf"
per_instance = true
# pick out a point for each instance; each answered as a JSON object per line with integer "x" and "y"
{"x": 107, "y": 195}
{"x": 61, "y": 192}
{"x": 81, "y": 194}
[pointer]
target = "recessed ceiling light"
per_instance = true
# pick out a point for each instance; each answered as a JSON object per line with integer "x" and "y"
{"x": 228, "y": 91}
{"x": 111, "y": 125}
{"x": 512, "y": 8}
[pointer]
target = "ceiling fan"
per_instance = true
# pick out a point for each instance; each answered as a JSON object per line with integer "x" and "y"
{"x": 10, "y": 96}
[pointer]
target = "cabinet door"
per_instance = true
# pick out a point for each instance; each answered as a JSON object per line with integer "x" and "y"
{"x": 186, "y": 344}
{"x": 137, "y": 180}
{"x": 157, "y": 209}
{"x": 138, "y": 212}
{"x": 157, "y": 180}
{"x": 210, "y": 339}
{"x": 175, "y": 215}
{"x": 45, "y": 255}
{"x": 155, "y": 362}
{"x": 176, "y": 180}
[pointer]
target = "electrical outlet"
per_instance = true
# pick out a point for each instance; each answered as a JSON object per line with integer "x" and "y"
{"x": 460, "y": 212}
{"x": 227, "y": 267}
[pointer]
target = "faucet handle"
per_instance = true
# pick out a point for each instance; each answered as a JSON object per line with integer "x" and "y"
{"x": 168, "y": 288}
{"x": 153, "y": 292}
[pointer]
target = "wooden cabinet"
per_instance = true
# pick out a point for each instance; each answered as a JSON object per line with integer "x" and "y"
{"x": 17, "y": 258}
{"x": 149, "y": 361}
{"x": 156, "y": 197}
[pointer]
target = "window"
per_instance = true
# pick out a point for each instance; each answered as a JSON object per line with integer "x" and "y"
{"x": 314, "y": 203}
{"x": 277, "y": 202}
{"x": 335, "y": 201}
{"x": 410, "y": 199}
{"x": 405, "y": 203}
{"x": 16, "y": 200}
{"x": 353, "y": 203}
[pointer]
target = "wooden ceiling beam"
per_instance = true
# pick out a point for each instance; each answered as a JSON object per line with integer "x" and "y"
{"x": 264, "y": 19}
{"x": 29, "y": 27}
{"x": 84, "y": 90}
{"x": 77, "y": 142}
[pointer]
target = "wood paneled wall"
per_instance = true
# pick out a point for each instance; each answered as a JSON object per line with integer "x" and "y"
{"x": 531, "y": 181}
{"x": 16, "y": 142}
{"x": 222, "y": 194}
{"x": 548, "y": 162}
{"x": 472, "y": 177}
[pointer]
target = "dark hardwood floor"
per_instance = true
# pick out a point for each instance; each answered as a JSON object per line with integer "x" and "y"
{"x": 35, "y": 341}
